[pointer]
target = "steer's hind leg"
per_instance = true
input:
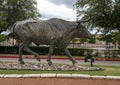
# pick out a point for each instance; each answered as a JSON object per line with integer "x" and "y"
{"x": 26, "y": 48}
{"x": 20, "y": 54}
{"x": 26, "y": 44}
{"x": 70, "y": 56}
{"x": 32, "y": 52}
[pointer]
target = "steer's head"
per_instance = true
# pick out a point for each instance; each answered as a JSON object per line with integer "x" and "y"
{"x": 82, "y": 31}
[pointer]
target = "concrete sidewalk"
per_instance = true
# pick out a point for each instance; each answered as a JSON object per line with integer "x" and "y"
{"x": 111, "y": 63}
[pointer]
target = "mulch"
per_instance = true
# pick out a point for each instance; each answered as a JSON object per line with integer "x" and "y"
{"x": 57, "y": 81}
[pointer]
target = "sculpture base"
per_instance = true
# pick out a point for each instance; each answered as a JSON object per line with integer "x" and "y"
{"x": 46, "y": 67}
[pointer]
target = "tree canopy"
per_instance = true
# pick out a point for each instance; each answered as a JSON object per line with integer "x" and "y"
{"x": 16, "y": 10}
{"x": 104, "y": 14}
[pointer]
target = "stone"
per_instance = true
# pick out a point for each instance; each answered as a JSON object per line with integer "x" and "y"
{"x": 113, "y": 77}
{"x": 2, "y": 75}
{"x": 32, "y": 75}
{"x": 80, "y": 76}
{"x": 48, "y": 75}
{"x": 64, "y": 75}
{"x": 12, "y": 76}
{"x": 100, "y": 77}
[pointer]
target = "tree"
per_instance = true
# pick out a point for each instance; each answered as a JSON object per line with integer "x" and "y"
{"x": 108, "y": 39}
{"x": 16, "y": 10}
{"x": 74, "y": 41}
{"x": 92, "y": 41}
{"x": 117, "y": 38}
{"x": 104, "y": 14}
{"x": 3, "y": 38}
{"x": 83, "y": 40}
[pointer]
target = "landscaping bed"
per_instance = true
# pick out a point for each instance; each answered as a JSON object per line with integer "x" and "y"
{"x": 44, "y": 67}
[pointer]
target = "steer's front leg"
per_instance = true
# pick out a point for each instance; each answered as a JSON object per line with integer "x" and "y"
{"x": 51, "y": 50}
{"x": 70, "y": 56}
{"x": 20, "y": 54}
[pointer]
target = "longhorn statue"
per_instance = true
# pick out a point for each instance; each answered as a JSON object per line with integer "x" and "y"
{"x": 54, "y": 32}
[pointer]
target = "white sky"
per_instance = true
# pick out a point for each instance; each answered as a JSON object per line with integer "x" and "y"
{"x": 48, "y": 9}
{"x": 51, "y": 10}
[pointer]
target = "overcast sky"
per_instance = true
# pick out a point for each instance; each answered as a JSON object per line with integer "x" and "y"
{"x": 57, "y": 9}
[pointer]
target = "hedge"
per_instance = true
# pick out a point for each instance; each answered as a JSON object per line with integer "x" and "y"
{"x": 43, "y": 50}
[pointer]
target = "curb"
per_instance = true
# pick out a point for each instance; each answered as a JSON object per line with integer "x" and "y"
{"x": 57, "y": 76}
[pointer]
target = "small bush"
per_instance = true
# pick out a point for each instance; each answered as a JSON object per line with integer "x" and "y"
{"x": 43, "y": 50}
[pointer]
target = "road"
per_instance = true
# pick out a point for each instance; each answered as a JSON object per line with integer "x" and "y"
{"x": 112, "y": 63}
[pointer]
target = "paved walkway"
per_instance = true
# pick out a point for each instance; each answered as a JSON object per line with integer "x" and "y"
{"x": 57, "y": 81}
{"x": 113, "y": 63}
{"x": 29, "y": 58}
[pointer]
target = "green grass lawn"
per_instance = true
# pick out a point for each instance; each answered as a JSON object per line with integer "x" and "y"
{"x": 108, "y": 70}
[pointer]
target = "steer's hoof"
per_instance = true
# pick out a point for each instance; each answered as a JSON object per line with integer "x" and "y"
{"x": 74, "y": 63}
{"x": 38, "y": 59}
{"x": 22, "y": 62}
{"x": 50, "y": 63}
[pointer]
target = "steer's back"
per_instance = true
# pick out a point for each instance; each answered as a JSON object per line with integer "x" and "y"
{"x": 42, "y": 31}
{"x": 37, "y": 32}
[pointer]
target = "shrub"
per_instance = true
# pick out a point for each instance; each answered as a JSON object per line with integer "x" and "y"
{"x": 44, "y": 50}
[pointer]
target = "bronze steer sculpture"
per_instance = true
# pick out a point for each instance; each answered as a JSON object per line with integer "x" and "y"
{"x": 54, "y": 32}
